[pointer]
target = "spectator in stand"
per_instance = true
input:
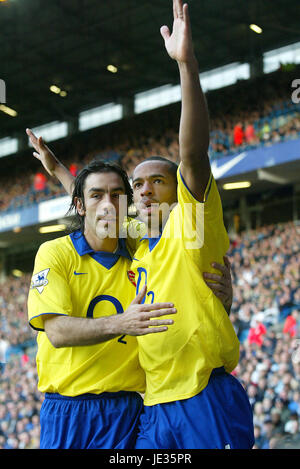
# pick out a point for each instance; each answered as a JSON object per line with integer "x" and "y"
{"x": 238, "y": 134}
{"x": 291, "y": 323}
{"x": 73, "y": 168}
{"x": 250, "y": 134}
{"x": 294, "y": 404}
{"x": 40, "y": 182}
{"x": 4, "y": 345}
{"x": 265, "y": 132}
{"x": 292, "y": 425}
{"x": 261, "y": 442}
{"x": 256, "y": 332}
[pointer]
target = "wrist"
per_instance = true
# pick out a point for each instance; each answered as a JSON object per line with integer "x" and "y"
{"x": 189, "y": 65}
{"x": 114, "y": 325}
{"x": 57, "y": 166}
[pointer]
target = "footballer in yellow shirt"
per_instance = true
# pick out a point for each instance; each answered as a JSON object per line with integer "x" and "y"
{"x": 71, "y": 279}
{"x": 178, "y": 365}
{"x": 192, "y": 401}
{"x": 83, "y": 304}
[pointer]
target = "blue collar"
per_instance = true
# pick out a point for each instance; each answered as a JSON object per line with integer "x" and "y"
{"x": 152, "y": 241}
{"x": 106, "y": 259}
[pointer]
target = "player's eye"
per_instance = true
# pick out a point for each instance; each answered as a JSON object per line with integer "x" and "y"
{"x": 157, "y": 181}
{"x": 137, "y": 185}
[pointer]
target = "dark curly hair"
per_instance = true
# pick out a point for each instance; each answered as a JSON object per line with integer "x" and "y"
{"x": 95, "y": 166}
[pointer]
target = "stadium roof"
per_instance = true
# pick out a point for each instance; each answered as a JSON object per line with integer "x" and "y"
{"x": 70, "y": 43}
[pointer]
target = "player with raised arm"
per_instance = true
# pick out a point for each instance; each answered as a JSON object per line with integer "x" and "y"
{"x": 192, "y": 401}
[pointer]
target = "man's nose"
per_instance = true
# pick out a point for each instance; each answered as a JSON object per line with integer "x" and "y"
{"x": 107, "y": 205}
{"x": 146, "y": 189}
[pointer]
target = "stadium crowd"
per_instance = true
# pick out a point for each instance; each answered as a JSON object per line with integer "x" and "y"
{"x": 265, "y": 314}
{"x": 265, "y": 266}
{"x": 241, "y": 118}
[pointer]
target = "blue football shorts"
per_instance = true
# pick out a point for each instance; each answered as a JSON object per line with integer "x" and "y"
{"x": 219, "y": 417}
{"x": 90, "y": 421}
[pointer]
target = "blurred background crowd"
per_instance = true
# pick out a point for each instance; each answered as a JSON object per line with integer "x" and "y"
{"x": 239, "y": 122}
{"x": 265, "y": 314}
{"x": 265, "y": 262}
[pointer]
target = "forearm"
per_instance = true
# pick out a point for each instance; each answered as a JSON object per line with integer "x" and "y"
{"x": 194, "y": 121}
{"x": 64, "y": 176}
{"x": 66, "y": 331}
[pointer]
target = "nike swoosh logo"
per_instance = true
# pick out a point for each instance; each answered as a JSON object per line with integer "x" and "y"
{"x": 221, "y": 170}
{"x": 80, "y": 273}
{"x": 135, "y": 259}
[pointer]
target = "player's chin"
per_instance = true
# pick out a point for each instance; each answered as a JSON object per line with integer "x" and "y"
{"x": 107, "y": 229}
{"x": 143, "y": 215}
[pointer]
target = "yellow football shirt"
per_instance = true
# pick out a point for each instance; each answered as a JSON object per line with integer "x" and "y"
{"x": 69, "y": 278}
{"x": 178, "y": 362}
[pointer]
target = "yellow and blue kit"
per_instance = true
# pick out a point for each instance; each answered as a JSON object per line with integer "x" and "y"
{"x": 201, "y": 346}
{"x": 71, "y": 279}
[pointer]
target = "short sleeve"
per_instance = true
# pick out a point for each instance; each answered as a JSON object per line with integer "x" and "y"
{"x": 200, "y": 224}
{"x": 49, "y": 291}
{"x": 212, "y": 206}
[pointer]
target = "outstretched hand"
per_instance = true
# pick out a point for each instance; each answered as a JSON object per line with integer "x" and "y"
{"x": 43, "y": 153}
{"x": 179, "y": 43}
{"x": 142, "y": 319}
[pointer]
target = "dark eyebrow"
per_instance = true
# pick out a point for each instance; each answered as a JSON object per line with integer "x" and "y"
{"x": 98, "y": 189}
{"x": 151, "y": 176}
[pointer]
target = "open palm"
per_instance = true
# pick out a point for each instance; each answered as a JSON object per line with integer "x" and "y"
{"x": 179, "y": 43}
{"x": 42, "y": 153}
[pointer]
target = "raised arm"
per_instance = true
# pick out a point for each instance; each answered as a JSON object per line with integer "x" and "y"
{"x": 194, "y": 121}
{"x": 51, "y": 164}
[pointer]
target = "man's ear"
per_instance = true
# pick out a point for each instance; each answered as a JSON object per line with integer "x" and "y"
{"x": 79, "y": 206}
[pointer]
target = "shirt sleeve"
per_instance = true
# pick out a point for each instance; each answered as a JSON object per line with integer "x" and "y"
{"x": 49, "y": 291}
{"x": 201, "y": 224}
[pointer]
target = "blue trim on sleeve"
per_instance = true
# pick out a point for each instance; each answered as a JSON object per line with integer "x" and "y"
{"x": 207, "y": 190}
{"x": 152, "y": 241}
{"x": 43, "y": 314}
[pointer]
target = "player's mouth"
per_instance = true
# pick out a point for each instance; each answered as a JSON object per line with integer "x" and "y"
{"x": 147, "y": 205}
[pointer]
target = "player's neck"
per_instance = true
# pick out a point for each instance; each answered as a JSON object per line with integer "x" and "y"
{"x": 98, "y": 244}
{"x": 154, "y": 229}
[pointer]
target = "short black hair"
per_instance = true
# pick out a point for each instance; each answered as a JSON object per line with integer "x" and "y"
{"x": 173, "y": 167}
{"x": 95, "y": 166}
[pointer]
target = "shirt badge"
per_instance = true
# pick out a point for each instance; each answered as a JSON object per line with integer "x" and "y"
{"x": 131, "y": 276}
{"x": 39, "y": 280}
